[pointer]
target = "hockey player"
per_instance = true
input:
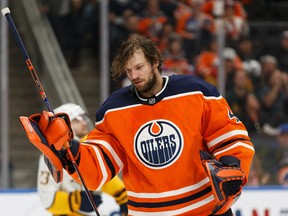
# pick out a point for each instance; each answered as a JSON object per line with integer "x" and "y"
{"x": 68, "y": 197}
{"x": 176, "y": 140}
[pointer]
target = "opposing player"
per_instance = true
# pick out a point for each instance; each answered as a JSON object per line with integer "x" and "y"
{"x": 181, "y": 149}
{"x": 68, "y": 197}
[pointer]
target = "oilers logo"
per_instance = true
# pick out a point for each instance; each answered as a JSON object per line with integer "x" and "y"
{"x": 158, "y": 144}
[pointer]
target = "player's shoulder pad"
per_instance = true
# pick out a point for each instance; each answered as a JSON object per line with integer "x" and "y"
{"x": 120, "y": 98}
{"x": 179, "y": 84}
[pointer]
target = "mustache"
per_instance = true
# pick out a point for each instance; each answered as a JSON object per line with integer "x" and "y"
{"x": 136, "y": 79}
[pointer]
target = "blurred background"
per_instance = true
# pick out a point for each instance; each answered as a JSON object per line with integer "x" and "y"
{"x": 239, "y": 46}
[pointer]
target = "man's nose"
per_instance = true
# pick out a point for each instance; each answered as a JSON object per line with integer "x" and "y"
{"x": 134, "y": 74}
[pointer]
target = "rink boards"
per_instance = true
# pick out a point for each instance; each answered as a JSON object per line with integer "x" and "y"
{"x": 255, "y": 201}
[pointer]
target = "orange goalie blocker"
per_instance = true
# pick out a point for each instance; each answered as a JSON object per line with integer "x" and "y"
{"x": 226, "y": 182}
{"x": 36, "y": 137}
{"x": 58, "y": 132}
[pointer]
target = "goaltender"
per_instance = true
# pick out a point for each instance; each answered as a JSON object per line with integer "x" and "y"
{"x": 179, "y": 146}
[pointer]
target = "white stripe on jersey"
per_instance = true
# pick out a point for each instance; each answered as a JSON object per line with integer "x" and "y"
{"x": 109, "y": 148}
{"x": 225, "y": 136}
{"x": 169, "y": 193}
{"x": 102, "y": 167}
{"x": 235, "y": 146}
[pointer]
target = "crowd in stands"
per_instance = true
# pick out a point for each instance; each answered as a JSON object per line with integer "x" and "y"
{"x": 256, "y": 83}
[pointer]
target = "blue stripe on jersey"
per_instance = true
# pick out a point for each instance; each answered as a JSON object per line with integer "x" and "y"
{"x": 177, "y": 84}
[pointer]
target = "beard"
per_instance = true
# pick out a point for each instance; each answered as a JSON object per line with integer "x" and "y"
{"x": 148, "y": 87}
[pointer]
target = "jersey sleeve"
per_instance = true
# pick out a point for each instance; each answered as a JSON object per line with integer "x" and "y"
{"x": 224, "y": 133}
{"x": 101, "y": 159}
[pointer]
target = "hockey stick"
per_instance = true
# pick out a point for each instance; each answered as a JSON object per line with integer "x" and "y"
{"x": 6, "y": 12}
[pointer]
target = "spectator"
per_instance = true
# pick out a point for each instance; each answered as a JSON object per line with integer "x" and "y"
{"x": 253, "y": 114}
{"x": 196, "y": 28}
{"x": 119, "y": 12}
{"x": 168, "y": 27}
{"x": 238, "y": 8}
{"x": 232, "y": 63}
{"x": 235, "y": 26}
{"x": 273, "y": 92}
{"x": 253, "y": 69}
{"x": 130, "y": 27}
{"x": 152, "y": 20}
{"x": 207, "y": 63}
{"x": 181, "y": 9}
{"x": 246, "y": 51}
{"x": 281, "y": 53}
{"x": 242, "y": 86}
{"x": 169, "y": 7}
{"x": 174, "y": 57}
{"x": 244, "y": 103}
{"x": 245, "y": 48}
{"x": 131, "y": 24}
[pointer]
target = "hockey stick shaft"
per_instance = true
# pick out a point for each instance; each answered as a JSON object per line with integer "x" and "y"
{"x": 6, "y": 13}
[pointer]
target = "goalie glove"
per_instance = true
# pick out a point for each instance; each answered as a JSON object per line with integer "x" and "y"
{"x": 49, "y": 133}
{"x": 226, "y": 179}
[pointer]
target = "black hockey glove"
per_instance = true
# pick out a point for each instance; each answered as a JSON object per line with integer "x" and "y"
{"x": 226, "y": 179}
{"x": 80, "y": 203}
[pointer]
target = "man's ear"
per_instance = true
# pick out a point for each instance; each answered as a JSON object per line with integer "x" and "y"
{"x": 156, "y": 64}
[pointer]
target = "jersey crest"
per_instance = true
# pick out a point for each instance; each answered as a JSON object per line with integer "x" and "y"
{"x": 158, "y": 144}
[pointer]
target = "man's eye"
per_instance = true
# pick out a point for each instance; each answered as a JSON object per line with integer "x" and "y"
{"x": 139, "y": 67}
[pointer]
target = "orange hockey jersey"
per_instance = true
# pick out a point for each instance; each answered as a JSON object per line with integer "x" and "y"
{"x": 156, "y": 144}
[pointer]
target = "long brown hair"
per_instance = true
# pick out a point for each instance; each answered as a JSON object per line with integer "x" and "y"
{"x": 128, "y": 48}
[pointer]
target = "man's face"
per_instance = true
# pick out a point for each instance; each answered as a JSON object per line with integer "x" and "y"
{"x": 142, "y": 75}
{"x": 80, "y": 126}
